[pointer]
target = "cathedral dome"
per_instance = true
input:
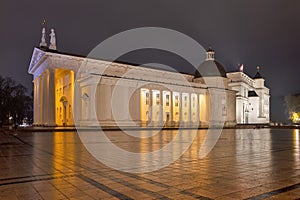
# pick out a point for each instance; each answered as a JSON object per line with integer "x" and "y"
{"x": 210, "y": 67}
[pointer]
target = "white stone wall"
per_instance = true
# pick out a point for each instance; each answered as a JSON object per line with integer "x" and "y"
{"x": 109, "y": 94}
{"x": 250, "y": 110}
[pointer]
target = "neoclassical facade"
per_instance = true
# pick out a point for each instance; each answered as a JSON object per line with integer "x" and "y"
{"x": 72, "y": 90}
{"x": 252, "y": 98}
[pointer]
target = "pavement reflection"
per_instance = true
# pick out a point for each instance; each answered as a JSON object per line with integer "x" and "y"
{"x": 245, "y": 163}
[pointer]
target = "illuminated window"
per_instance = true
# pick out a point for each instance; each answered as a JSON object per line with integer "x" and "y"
{"x": 176, "y": 101}
{"x": 167, "y": 100}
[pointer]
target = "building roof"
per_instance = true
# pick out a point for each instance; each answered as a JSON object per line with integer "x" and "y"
{"x": 210, "y": 68}
{"x": 115, "y": 61}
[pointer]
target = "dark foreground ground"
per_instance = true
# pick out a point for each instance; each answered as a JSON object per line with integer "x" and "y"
{"x": 244, "y": 164}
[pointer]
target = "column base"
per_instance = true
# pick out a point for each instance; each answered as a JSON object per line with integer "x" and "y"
{"x": 89, "y": 123}
{"x": 111, "y": 123}
{"x": 50, "y": 124}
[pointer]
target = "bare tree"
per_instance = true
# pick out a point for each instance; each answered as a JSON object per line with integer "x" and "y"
{"x": 14, "y": 102}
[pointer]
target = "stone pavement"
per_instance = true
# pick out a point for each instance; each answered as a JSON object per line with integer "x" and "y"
{"x": 244, "y": 164}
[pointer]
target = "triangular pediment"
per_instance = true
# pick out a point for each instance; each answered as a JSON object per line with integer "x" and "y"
{"x": 37, "y": 55}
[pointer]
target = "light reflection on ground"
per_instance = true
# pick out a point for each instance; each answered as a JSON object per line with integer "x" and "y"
{"x": 244, "y": 163}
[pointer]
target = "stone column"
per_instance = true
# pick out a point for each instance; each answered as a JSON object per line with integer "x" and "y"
{"x": 125, "y": 108}
{"x": 43, "y": 103}
{"x": 134, "y": 106}
{"x": 93, "y": 89}
{"x": 180, "y": 108}
{"x": 40, "y": 100}
{"x": 121, "y": 103}
{"x": 171, "y": 109}
{"x": 88, "y": 91}
{"x": 51, "y": 98}
{"x": 45, "y": 106}
{"x": 150, "y": 122}
{"x": 161, "y": 109}
{"x": 261, "y": 103}
{"x": 198, "y": 108}
{"x": 88, "y": 98}
{"x": 44, "y": 110}
{"x": 78, "y": 103}
{"x": 189, "y": 109}
{"x": 35, "y": 101}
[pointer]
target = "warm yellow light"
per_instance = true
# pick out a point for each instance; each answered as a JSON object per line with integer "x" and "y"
{"x": 144, "y": 105}
{"x": 176, "y": 106}
{"x": 296, "y": 133}
{"x": 296, "y": 145}
{"x": 295, "y": 117}
{"x": 166, "y": 106}
{"x": 64, "y": 95}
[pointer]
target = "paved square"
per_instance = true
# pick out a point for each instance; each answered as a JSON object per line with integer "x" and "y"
{"x": 244, "y": 164}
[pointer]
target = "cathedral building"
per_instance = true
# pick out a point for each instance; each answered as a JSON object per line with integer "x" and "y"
{"x": 73, "y": 90}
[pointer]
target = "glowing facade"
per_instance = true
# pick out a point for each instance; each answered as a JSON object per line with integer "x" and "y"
{"x": 252, "y": 98}
{"x": 116, "y": 94}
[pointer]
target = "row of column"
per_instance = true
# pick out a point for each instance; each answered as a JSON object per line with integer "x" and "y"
{"x": 44, "y": 98}
{"x": 160, "y": 106}
{"x": 108, "y": 104}
{"x": 87, "y": 95}
{"x": 124, "y": 104}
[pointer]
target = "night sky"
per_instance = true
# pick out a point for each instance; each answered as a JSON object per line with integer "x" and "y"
{"x": 249, "y": 32}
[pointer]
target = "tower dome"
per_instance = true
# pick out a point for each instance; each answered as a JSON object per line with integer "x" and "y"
{"x": 210, "y": 67}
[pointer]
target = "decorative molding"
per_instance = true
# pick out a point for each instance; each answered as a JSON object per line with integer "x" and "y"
{"x": 37, "y": 56}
